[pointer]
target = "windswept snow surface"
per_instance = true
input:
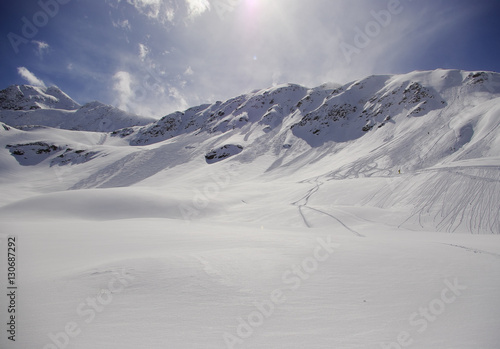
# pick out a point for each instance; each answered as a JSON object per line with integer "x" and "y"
{"x": 356, "y": 216}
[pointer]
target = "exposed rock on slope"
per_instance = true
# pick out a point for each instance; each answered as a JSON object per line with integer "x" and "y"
{"x": 223, "y": 153}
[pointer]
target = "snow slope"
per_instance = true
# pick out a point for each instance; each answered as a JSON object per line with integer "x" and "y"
{"x": 288, "y": 217}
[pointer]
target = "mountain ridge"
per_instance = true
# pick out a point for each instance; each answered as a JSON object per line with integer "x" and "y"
{"x": 416, "y": 98}
{"x": 26, "y": 106}
{"x": 411, "y": 141}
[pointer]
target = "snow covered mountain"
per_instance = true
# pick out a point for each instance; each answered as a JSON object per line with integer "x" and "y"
{"x": 431, "y": 137}
{"x": 26, "y": 106}
{"x": 288, "y": 217}
{"x": 25, "y": 97}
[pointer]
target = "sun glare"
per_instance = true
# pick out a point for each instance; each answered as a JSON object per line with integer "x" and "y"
{"x": 252, "y": 6}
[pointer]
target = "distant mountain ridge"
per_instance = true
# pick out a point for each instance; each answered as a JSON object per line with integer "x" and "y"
{"x": 24, "y": 105}
{"x": 26, "y": 97}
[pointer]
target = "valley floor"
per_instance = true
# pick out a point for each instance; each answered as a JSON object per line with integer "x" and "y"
{"x": 246, "y": 270}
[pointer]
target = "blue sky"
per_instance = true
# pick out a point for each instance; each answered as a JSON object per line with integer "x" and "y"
{"x": 153, "y": 57}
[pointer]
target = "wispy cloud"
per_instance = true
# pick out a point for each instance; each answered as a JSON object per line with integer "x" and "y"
{"x": 177, "y": 98}
{"x": 143, "y": 51}
{"x": 41, "y": 47}
{"x": 155, "y": 9}
{"x": 123, "y": 88}
{"x": 165, "y": 11}
{"x": 124, "y": 24}
{"x": 151, "y": 8}
{"x": 136, "y": 93}
{"x": 30, "y": 77}
{"x": 197, "y": 7}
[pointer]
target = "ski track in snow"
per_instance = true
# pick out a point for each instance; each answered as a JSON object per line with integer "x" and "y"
{"x": 454, "y": 198}
{"x": 474, "y": 250}
{"x": 306, "y": 198}
{"x": 338, "y": 220}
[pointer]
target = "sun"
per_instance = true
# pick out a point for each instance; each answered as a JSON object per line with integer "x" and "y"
{"x": 252, "y": 5}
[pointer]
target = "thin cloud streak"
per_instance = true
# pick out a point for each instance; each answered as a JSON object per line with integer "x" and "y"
{"x": 30, "y": 77}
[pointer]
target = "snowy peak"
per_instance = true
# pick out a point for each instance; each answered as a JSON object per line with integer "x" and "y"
{"x": 350, "y": 111}
{"x": 26, "y": 97}
{"x": 26, "y": 106}
{"x": 327, "y": 113}
{"x": 266, "y": 107}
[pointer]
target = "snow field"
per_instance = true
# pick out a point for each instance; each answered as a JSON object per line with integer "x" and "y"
{"x": 340, "y": 238}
